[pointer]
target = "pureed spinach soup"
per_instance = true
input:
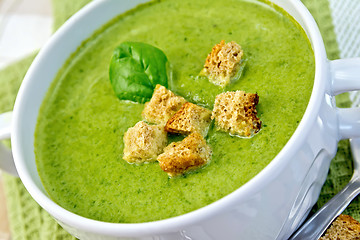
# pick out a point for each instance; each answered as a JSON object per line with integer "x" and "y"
{"x": 79, "y": 135}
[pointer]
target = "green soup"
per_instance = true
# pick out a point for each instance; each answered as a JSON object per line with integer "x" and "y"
{"x": 79, "y": 134}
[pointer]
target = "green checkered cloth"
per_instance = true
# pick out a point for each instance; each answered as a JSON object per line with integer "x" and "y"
{"x": 29, "y": 221}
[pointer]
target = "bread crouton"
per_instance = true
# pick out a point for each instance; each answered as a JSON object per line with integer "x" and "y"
{"x": 223, "y": 63}
{"x": 343, "y": 228}
{"x": 189, "y": 154}
{"x": 162, "y": 105}
{"x": 143, "y": 142}
{"x": 190, "y": 118}
{"x": 235, "y": 112}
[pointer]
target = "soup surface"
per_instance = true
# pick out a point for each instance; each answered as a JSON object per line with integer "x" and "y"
{"x": 79, "y": 135}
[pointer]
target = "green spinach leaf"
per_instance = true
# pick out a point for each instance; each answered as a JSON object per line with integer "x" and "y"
{"x": 135, "y": 69}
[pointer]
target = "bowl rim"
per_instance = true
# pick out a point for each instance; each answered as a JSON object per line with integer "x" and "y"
{"x": 175, "y": 223}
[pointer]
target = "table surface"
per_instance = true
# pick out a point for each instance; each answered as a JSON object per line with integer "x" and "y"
{"x": 4, "y": 225}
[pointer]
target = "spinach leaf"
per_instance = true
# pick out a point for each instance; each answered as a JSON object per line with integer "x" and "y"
{"x": 135, "y": 69}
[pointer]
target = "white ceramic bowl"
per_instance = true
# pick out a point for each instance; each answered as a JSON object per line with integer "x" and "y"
{"x": 269, "y": 206}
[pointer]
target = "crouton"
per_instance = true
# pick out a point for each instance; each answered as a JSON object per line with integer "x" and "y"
{"x": 190, "y": 118}
{"x": 189, "y": 154}
{"x": 223, "y": 63}
{"x": 235, "y": 112}
{"x": 163, "y": 105}
{"x": 343, "y": 228}
{"x": 143, "y": 142}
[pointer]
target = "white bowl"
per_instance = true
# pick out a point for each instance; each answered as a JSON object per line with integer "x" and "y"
{"x": 269, "y": 206}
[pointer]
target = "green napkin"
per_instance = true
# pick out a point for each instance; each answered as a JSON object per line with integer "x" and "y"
{"x": 29, "y": 221}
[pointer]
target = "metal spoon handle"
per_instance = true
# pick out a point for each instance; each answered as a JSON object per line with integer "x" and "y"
{"x": 320, "y": 221}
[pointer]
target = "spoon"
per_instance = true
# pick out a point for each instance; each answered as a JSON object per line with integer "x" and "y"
{"x": 320, "y": 221}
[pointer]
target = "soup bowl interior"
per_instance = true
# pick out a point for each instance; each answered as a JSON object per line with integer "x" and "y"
{"x": 52, "y": 57}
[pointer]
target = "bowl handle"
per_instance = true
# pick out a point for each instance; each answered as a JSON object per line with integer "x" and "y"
{"x": 345, "y": 78}
{"x": 6, "y": 158}
{"x": 346, "y": 75}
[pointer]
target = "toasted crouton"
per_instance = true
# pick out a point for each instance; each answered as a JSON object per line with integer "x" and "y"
{"x": 343, "y": 228}
{"x": 190, "y": 118}
{"x": 180, "y": 157}
{"x": 223, "y": 63}
{"x": 143, "y": 142}
{"x": 162, "y": 105}
{"x": 235, "y": 112}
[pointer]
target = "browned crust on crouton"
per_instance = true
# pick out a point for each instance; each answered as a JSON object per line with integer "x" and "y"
{"x": 343, "y": 228}
{"x": 223, "y": 62}
{"x": 190, "y": 118}
{"x": 163, "y": 105}
{"x": 189, "y": 154}
{"x": 143, "y": 142}
{"x": 235, "y": 112}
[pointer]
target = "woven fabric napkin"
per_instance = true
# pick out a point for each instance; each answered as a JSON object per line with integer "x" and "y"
{"x": 29, "y": 221}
